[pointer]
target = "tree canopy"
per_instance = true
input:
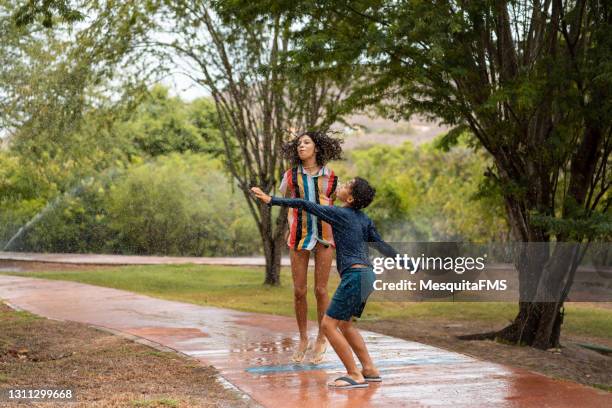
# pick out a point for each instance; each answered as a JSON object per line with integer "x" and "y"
{"x": 531, "y": 81}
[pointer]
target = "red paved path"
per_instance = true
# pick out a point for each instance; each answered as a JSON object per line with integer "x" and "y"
{"x": 251, "y": 351}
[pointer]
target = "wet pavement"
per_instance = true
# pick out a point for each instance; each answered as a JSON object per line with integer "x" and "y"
{"x": 252, "y": 351}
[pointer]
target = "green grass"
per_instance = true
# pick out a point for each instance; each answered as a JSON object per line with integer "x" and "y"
{"x": 241, "y": 288}
{"x": 603, "y": 387}
{"x": 230, "y": 287}
{"x": 18, "y": 317}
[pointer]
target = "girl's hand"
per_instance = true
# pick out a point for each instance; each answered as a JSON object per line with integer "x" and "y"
{"x": 261, "y": 195}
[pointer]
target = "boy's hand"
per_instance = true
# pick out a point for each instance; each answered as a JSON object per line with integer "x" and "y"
{"x": 261, "y": 195}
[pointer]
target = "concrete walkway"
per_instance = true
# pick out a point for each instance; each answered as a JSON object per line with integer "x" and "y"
{"x": 110, "y": 260}
{"x": 251, "y": 351}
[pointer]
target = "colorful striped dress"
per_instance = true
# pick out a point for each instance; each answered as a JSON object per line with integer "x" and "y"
{"x": 306, "y": 229}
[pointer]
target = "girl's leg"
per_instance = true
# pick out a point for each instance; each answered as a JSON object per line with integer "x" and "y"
{"x": 353, "y": 337}
{"x": 323, "y": 260}
{"x": 299, "y": 267}
{"x": 341, "y": 346}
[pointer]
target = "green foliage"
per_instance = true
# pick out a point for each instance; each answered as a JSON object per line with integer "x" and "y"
{"x": 597, "y": 225}
{"x": 62, "y": 91}
{"x": 75, "y": 115}
{"x": 71, "y": 222}
{"x": 23, "y": 192}
{"x": 181, "y": 205}
{"x": 426, "y": 194}
{"x": 161, "y": 125}
{"x": 41, "y": 171}
{"x": 538, "y": 104}
{"x": 175, "y": 205}
{"x": 46, "y": 11}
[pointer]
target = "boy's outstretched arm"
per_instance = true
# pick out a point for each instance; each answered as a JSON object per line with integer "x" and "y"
{"x": 327, "y": 213}
{"x": 258, "y": 192}
{"x": 382, "y": 247}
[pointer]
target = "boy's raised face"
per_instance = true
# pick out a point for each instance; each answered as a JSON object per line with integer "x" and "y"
{"x": 356, "y": 193}
{"x": 344, "y": 192}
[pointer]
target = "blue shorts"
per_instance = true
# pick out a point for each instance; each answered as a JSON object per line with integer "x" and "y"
{"x": 356, "y": 285}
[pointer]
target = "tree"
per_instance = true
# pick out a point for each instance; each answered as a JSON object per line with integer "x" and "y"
{"x": 54, "y": 79}
{"x": 62, "y": 89}
{"x": 531, "y": 82}
{"x": 46, "y": 11}
{"x": 425, "y": 194}
{"x": 161, "y": 124}
{"x": 243, "y": 64}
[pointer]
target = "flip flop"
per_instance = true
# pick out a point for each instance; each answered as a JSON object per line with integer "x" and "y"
{"x": 376, "y": 378}
{"x": 298, "y": 356}
{"x": 351, "y": 384}
{"x": 318, "y": 357}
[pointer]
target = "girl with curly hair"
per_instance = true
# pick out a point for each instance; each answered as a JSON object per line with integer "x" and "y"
{"x": 309, "y": 178}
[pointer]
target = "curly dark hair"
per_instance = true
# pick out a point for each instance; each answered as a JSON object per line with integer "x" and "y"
{"x": 363, "y": 193}
{"x": 328, "y": 148}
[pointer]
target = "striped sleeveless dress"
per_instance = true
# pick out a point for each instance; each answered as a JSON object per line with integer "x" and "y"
{"x": 305, "y": 230}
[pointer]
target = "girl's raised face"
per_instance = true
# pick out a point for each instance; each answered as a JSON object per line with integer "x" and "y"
{"x": 306, "y": 148}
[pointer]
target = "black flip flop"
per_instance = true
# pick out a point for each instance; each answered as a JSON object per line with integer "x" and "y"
{"x": 372, "y": 378}
{"x": 351, "y": 384}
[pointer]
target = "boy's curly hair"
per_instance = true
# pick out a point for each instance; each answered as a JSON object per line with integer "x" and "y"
{"x": 328, "y": 148}
{"x": 363, "y": 193}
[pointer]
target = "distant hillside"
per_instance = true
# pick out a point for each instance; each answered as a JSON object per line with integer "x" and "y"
{"x": 368, "y": 131}
{"x": 376, "y": 130}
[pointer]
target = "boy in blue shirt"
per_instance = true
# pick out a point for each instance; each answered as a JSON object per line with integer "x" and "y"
{"x": 352, "y": 230}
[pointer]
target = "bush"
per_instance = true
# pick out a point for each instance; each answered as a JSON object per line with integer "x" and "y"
{"x": 425, "y": 194}
{"x": 181, "y": 204}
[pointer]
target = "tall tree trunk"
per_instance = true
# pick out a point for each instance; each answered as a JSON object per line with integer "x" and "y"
{"x": 273, "y": 241}
{"x": 542, "y": 279}
{"x": 537, "y": 324}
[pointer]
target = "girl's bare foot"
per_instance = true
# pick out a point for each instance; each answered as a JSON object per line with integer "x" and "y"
{"x": 300, "y": 352}
{"x": 320, "y": 348}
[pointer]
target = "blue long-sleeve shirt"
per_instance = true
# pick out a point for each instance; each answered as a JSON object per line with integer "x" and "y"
{"x": 352, "y": 231}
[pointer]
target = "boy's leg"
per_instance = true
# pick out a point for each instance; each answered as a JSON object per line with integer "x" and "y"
{"x": 353, "y": 337}
{"x": 323, "y": 260}
{"x": 342, "y": 348}
{"x": 299, "y": 268}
